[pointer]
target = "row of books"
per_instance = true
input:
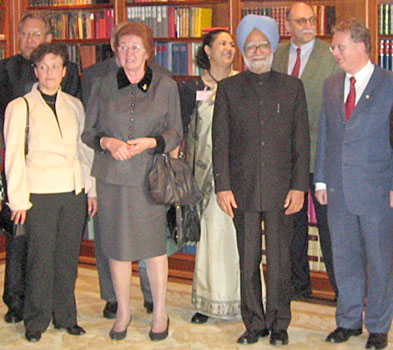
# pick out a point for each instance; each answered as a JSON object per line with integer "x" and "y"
{"x": 34, "y": 3}
{"x": 326, "y": 17}
{"x": 82, "y": 24}
{"x": 86, "y": 55}
{"x": 178, "y": 57}
{"x": 385, "y": 54}
{"x": 172, "y": 21}
{"x": 385, "y": 19}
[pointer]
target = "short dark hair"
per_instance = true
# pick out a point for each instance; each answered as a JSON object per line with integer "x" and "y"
{"x": 202, "y": 59}
{"x": 39, "y": 16}
{"x": 56, "y": 49}
{"x": 358, "y": 30}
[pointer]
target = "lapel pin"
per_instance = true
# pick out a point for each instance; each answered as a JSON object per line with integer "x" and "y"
{"x": 144, "y": 87}
{"x": 367, "y": 97}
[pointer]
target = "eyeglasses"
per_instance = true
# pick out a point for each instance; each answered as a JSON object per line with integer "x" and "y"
{"x": 302, "y": 21}
{"x": 340, "y": 48}
{"x": 34, "y": 35}
{"x": 132, "y": 48}
{"x": 252, "y": 47}
{"x": 44, "y": 68}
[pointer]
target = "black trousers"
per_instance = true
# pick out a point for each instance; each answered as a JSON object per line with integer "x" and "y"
{"x": 278, "y": 233}
{"x": 14, "y": 279}
{"x": 299, "y": 248}
{"x": 54, "y": 227}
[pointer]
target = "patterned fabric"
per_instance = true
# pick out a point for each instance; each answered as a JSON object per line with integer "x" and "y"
{"x": 296, "y": 67}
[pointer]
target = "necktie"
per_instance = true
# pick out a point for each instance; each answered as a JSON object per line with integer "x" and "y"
{"x": 296, "y": 67}
{"x": 350, "y": 103}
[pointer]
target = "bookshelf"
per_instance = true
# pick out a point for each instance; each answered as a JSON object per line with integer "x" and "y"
{"x": 4, "y": 28}
{"x": 178, "y": 28}
{"x": 84, "y": 25}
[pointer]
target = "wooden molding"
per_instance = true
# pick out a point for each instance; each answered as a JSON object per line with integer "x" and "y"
{"x": 181, "y": 269}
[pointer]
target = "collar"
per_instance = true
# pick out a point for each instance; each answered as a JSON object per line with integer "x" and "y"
{"x": 365, "y": 72}
{"x": 261, "y": 76}
{"x": 305, "y": 48}
{"x": 143, "y": 85}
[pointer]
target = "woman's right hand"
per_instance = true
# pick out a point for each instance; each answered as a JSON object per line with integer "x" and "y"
{"x": 18, "y": 216}
{"x": 120, "y": 150}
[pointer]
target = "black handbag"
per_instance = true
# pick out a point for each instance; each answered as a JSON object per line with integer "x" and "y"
{"x": 171, "y": 182}
{"x": 190, "y": 221}
{"x": 7, "y": 226}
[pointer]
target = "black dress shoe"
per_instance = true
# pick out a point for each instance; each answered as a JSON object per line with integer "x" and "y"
{"x": 249, "y": 337}
{"x": 33, "y": 336}
{"x": 73, "y": 330}
{"x": 279, "y": 337}
{"x": 156, "y": 336}
{"x": 341, "y": 335}
{"x": 199, "y": 318}
{"x": 118, "y": 335}
{"x": 13, "y": 316}
{"x": 110, "y": 310}
{"x": 148, "y": 306}
{"x": 377, "y": 341}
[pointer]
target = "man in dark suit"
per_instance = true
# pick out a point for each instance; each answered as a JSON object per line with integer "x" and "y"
{"x": 260, "y": 164}
{"x": 309, "y": 59}
{"x": 354, "y": 175}
{"x": 94, "y": 73}
{"x": 16, "y": 79}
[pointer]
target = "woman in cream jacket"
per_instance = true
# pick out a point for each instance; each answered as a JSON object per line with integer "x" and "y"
{"x": 46, "y": 191}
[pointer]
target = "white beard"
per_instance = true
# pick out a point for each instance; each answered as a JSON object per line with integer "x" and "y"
{"x": 259, "y": 66}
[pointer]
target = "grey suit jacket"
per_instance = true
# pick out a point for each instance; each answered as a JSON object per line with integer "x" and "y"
{"x": 111, "y": 111}
{"x": 355, "y": 159}
{"x": 320, "y": 66}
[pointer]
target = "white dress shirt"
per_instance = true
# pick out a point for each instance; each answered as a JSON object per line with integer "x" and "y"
{"x": 305, "y": 54}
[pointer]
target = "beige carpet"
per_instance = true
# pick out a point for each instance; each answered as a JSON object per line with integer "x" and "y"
{"x": 310, "y": 325}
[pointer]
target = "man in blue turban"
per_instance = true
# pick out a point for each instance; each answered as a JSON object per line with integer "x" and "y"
{"x": 261, "y": 157}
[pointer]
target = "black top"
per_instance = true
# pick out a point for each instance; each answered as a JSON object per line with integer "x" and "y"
{"x": 187, "y": 92}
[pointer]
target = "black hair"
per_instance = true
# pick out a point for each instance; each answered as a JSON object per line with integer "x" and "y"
{"x": 45, "y": 48}
{"x": 202, "y": 59}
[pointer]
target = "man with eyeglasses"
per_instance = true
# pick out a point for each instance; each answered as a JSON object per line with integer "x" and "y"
{"x": 16, "y": 79}
{"x": 309, "y": 59}
{"x": 354, "y": 176}
{"x": 260, "y": 166}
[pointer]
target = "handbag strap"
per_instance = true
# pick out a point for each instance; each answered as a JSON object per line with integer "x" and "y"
{"x": 27, "y": 127}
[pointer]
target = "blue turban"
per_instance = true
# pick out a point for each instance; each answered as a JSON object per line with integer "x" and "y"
{"x": 265, "y": 24}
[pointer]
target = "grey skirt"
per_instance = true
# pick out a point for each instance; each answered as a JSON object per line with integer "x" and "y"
{"x": 132, "y": 226}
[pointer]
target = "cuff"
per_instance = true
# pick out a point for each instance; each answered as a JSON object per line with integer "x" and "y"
{"x": 160, "y": 148}
{"x": 320, "y": 186}
{"x": 97, "y": 143}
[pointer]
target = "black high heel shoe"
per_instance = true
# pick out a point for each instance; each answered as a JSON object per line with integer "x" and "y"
{"x": 156, "y": 336}
{"x": 118, "y": 335}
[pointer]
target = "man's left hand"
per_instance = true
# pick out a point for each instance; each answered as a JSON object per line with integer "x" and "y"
{"x": 294, "y": 202}
{"x": 391, "y": 199}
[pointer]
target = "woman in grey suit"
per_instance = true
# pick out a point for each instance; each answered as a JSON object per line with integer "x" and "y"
{"x": 132, "y": 114}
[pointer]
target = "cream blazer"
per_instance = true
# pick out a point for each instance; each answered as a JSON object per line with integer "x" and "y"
{"x": 57, "y": 160}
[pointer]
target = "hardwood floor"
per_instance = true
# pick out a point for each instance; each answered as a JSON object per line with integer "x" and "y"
{"x": 310, "y": 325}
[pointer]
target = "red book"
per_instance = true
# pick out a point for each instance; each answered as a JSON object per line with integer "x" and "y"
{"x": 109, "y": 22}
{"x": 171, "y": 23}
